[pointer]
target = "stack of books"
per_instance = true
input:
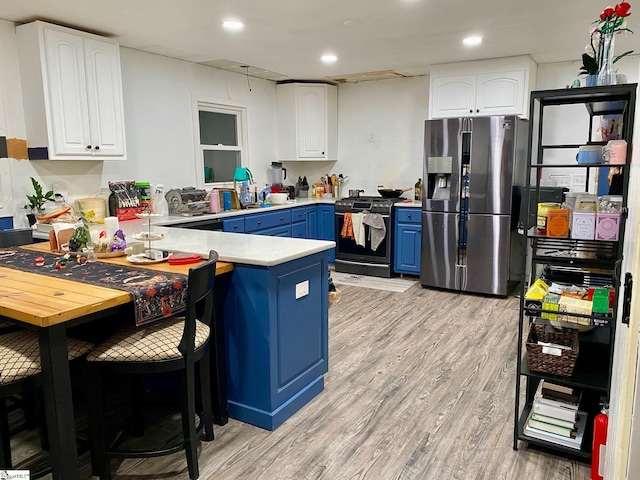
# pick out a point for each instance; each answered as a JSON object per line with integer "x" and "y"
{"x": 555, "y": 416}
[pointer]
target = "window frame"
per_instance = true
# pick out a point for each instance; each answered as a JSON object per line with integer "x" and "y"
{"x": 223, "y": 106}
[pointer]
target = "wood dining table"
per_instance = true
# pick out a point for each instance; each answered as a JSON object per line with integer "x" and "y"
{"x": 51, "y": 306}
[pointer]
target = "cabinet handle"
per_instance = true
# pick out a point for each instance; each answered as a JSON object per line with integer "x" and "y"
{"x": 281, "y": 218}
{"x": 478, "y": 110}
{"x": 471, "y": 111}
{"x": 235, "y": 227}
{"x": 97, "y": 147}
{"x": 88, "y": 147}
{"x": 259, "y": 223}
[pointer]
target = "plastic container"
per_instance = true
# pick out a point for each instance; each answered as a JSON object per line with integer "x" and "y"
{"x": 214, "y": 201}
{"x": 615, "y": 152}
{"x": 159, "y": 203}
{"x": 95, "y": 204}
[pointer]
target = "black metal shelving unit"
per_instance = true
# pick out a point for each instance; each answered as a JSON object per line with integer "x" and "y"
{"x": 588, "y": 262}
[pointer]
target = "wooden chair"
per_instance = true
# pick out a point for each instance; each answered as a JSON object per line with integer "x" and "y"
{"x": 173, "y": 344}
{"x": 20, "y": 373}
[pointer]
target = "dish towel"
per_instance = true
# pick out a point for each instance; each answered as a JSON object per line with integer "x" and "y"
{"x": 377, "y": 229}
{"x": 347, "y": 227}
{"x": 358, "y": 228}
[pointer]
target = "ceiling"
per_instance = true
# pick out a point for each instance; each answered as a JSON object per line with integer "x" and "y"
{"x": 284, "y": 39}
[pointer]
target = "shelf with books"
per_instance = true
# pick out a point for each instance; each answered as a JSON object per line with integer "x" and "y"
{"x": 582, "y": 265}
{"x": 583, "y": 453}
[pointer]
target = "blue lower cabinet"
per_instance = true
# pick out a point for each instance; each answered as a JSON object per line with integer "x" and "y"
{"x": 284, "y": 231}
{"x": 312, "y": 223}
{"x": 233, "y": 225}
{"x": 406, "y": 256}
{"x": 299, "y": 230}
{"x": 326, "y": 227}
{"x": 276, "y": 335}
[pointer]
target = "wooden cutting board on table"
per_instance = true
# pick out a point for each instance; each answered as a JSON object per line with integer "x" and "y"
{"x": 63, "y": 237}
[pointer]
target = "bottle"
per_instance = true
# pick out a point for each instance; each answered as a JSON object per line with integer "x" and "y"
{"x": 159, "y": 204}
{"x": 418, "y": 191}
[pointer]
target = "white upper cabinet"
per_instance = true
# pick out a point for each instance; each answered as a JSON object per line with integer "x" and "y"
{"x": 307, "y": 121}
{"x": 482, "y": 88}
{"x": 72, "y": 93}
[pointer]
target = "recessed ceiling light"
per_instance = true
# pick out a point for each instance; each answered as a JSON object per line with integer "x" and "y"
{"x": 329, "y": 58}
{"x": 472, "y": 41}
{"x": 233, "y": 25}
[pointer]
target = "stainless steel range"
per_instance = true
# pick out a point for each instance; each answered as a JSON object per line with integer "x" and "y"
{"x": 364, "y": 259}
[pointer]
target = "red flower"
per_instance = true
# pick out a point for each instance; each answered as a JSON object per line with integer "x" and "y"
{"x": 607, "y": 12}
{"x": 177, "y": 285}
{"x": 622, "y": 9}
{"x": 151, "y": 292}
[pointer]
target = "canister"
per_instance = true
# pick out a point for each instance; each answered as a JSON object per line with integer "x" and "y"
{"x": 607, "y": 226}
{"x": 543, "y": 210}
{"x": 583, "y": 225}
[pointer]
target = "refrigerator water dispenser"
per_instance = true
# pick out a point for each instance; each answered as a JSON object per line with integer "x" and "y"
{"x": 439, "y": 178}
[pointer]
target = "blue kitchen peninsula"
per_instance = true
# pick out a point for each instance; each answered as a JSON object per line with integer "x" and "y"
{"x": 276, "y": 317}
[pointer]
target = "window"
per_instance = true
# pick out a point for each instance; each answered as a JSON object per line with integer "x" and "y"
{"x": 221, "y": 141}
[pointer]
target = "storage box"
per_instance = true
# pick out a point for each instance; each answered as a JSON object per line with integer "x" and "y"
{"x": 575, "y": 305}
{"x": 559, "y": 356}
{"x": 583, "y": 225}
{"x": 550, "y": 302}
{"x": 607, "y": 226}
{"x": 558, "y": 223}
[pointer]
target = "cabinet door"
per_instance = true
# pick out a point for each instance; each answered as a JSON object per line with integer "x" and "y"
{"x": 326, "y": 227}
{"x": 312, "y": 222}
{"x": 66, "y": 94}
{"x": 500, "y": 93}
{"x": 407, "y": 249}
{"x": 311, "y": 128}
{"x": 104, "y": 98}
{"x": 453, "y": 96}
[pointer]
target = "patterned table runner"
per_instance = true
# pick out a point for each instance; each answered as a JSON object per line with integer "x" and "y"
{"x": 156, "y": 294}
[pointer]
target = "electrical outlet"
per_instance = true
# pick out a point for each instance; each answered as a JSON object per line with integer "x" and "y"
{"x": 579, "y": 180}
{"x": 60, "y": 193}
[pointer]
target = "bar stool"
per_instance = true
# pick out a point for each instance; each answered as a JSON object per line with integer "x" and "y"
{"x": 175, "y": 343}
{"x": 20, "y": 373}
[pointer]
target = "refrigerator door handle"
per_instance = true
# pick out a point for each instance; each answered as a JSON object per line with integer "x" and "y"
{"x": 463, "y": 269}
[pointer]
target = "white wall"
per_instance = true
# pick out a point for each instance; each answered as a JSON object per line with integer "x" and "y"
{"x": 159, "y": 95}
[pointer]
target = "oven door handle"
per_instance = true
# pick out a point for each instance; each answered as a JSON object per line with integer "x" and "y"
{"x": 381, "y": 214}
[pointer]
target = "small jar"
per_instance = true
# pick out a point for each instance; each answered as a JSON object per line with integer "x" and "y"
{"x": 92, "y": 256}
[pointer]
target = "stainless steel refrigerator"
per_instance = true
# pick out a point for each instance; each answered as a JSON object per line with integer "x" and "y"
{"x": 469, "y": 214}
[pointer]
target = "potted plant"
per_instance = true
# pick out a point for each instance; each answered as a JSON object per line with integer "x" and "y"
{"x": 37, "y": 201}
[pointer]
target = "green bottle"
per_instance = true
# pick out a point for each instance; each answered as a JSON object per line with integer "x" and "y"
{"x": 417, "y": 194}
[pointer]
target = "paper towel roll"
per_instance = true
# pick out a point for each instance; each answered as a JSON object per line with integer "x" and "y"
{"x": 111, "y": 226}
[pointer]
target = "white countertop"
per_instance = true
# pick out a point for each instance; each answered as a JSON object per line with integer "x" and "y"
{"x": 241, "y": 248}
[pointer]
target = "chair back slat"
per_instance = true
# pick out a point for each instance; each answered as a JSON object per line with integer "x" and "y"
{"x": 199, "y": 291}
{"x": 15, "y": 237}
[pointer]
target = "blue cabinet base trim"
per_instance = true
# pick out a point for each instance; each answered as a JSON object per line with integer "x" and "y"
{"x": 272, "y": 420}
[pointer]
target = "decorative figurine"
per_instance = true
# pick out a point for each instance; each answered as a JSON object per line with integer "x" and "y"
{"x": 39, "y": 261}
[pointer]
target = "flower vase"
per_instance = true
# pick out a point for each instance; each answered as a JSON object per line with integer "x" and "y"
{"x": 606, "y": 74}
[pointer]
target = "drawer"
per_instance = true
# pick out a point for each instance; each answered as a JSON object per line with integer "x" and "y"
{"x": 408, "y": 215}
{"x": 282, "y": 231}
{"x": 233, "y": 225}
{"x": 267, "y": 220}
{"x": 298, "y": 214}
{"x": 299, "y": 230}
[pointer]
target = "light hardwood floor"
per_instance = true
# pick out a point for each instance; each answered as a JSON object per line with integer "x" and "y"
{"x": 420, "y": 386}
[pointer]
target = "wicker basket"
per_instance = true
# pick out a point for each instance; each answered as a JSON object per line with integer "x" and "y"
{"x": 555, "y": 361}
